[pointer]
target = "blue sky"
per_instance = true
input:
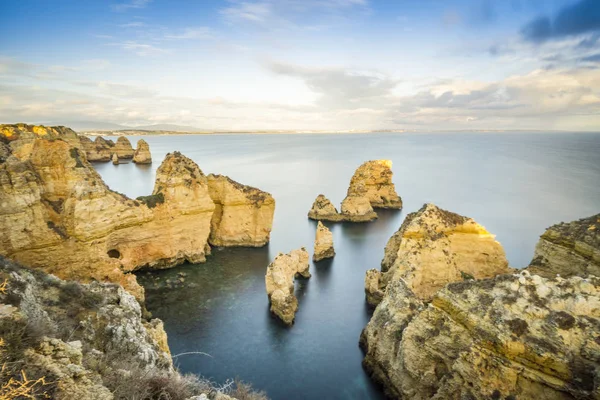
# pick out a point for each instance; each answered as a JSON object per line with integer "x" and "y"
{"x": 303, "y": 64}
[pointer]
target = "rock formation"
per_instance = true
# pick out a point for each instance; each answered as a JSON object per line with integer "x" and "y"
{"x": 243, "y": 215}
{"x": 357, "y": 209}
{"x": 374, "y": 287}
{"x": 279, "y": 281}
{"x": 98, "y": 150}
{"x": 323, "y": 210}
{"x": 510, "y": 337}
{"x": 434, "y": 247}
{"x": 373, "y": 180}
{"x": 142, "y": 153}
{"x": 115, "y": 159}
{"x": 569, "y": 249}
{"x": 323, "y": 243}
{"x": 123, "y": 148}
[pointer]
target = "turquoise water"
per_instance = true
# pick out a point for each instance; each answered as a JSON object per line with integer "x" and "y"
{"x": 515, "y": 184}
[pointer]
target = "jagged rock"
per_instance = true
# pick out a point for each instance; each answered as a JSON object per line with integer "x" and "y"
{"x": 569, "y": 249}
{"x": 323, "y": 210}
{"x": 357, "y": 209}
{"x": 142, "y": 153}
{"x": 374, "y": 288}
{"x": 98, "y": 150}
{"x": 22, "y": 135}
{"x": 115, "y": 159}
{"x": 243, "y": 215}
{"x": 57, "y": 214}
{"x": 373, "y": 180}
{"x": 279, "y": 282}
{"x": 434, "y": 247}
{"x": 510, "y": 337}
{"x": 123, "y": 148}
{"x": 323, "y": 243}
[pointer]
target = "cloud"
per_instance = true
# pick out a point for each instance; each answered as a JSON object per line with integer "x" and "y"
{"x": 141, "y": 49}
{"x": 192, "y": 33}
{"x": 132, "y": 4}
{"x": 136, "y": 24}
{"x": 575, "y": 19}
{"x": 593, "y": 58}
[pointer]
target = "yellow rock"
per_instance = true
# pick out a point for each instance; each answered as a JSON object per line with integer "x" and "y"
{"x": 142, "y": 153}
{"x": 323, "y": 243}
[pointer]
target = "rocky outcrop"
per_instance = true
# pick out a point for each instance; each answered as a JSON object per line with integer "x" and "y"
{"x": 123, "y": 148}
{"x": 98, "y": 150}
{"x": 357, "y": 209}
{"x": 434, "y": 247}
{"x": 569, "y": 249}
{"x": 324, "y": 210}
{"x": 323, "y": 243}
{"x": 279, "y": 281}
{"x": 511, "y": 337}
{"x": 243, "y": 215}
{"x": 22, "y": 135}
{"x": 115, "y": 159}
{"x": 142, "y": 153}
{"x": 373, "y": 180}
{"x": 374, "y": 287}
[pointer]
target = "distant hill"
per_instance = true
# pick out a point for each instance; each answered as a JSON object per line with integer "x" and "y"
{"x": 165, "y": 127}
{"x": 89, "y": 125}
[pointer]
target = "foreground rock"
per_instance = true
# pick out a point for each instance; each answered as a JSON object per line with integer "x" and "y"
{"x": 324, "y": 210}
{"x": 279, "y": 281}
{"x": 510, "y": 337}
{"x": 434, "y": 247}
{"x": 142, "y": 153}
{"x": 373, "y": 180}
{"x": 357, "y": 209}
{"x": 323, "y": 243}
{"x": 98, "y": 150}
{"x": 243, "y": 215}
{"x": 569, "y": 249}
{"x": 123, "y": 148}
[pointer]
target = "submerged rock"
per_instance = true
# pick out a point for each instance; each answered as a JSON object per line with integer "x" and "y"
{"x": 510, "y": 337}
{"x": 279, "y": 281}
{"x": 123, "y": 148}
{"x": 323, "y": 243}
{"x": 142, "y": 153}
{"x": 569, "y": 249}
{"x": 373, "y": 180}
{"x": 434, "y": 247}
{"x": 357, "y": 209}
{"x": 324, "y": 210}
{"x": 243, "y": 215}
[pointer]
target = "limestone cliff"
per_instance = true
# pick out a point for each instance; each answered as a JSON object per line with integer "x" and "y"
{"x": 243, "y": 215}
{"x": 373, "y": 180}
{"x": 510, "y": 337}
{"x": 123, "y": 148}
{"x": 323, "y": 243}
{"x": 142, "y": 153}
{"x": 98, "y": 150}
{"x": 434, "y": 247}
{"x": 57, "y": 214}
{"x": 22, "y": 135}
{"x": 279, "y": 282}
{"x": 569, "y": 249}
{"x": 324, "y": 210}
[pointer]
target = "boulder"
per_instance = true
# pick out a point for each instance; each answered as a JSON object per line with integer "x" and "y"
{"x": 373, "y": 180}
{"x": 569, "y": 249}
{"x": 357, "y": 209}
{"x": 323, "y": 243}
{"x": 123, "y": 148}
{"x": 243, "y": 214}
{"x": 279, "y": 281}
{"x": 324, "y": 210}
{"x": 115, "y": 159}
{"x": 142, "y": 153}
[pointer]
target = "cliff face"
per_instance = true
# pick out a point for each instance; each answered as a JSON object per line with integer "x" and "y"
{"x": 142, "y": 153}
{"x": 434, "y": 247}
{"x": 243, "y": 215}
{"x": 569, "y": 249}
{"x": 279, "y": 282}
{"x": 123, "y": 148}
{"x": 514, "y": 336}
{"x": 373, "y": 180}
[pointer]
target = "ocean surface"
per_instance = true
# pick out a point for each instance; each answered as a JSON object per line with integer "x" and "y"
{"x": 515, "y": 184}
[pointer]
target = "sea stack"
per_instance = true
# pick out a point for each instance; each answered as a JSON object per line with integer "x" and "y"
{"x": 279, "y": 281}
{"x": 98, "y": 150}
{"x": 324, "y": 210}
{"x": 115, "y": 159}
{"x": 243, "y": 215}
{"x": 123, "y": 148}
{"x": 142, "y": 153}
{"x": 323, "y": 243}
{"x": 357, "y": 209}
{"x": 373, "y": 180}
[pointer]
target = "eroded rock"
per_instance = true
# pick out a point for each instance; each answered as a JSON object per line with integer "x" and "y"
{"x": 123, "y": 148}
{"x": 324, "y": 210}
{"x": 373, "y": 180}
{"x": 115, "y": 159}
{"x": 357, "y": 209}
{"x": 279, "y": 281}
{"x": 323, "y": 243}
{"x": 142, "y": 153}
{"x": 98, "y": 150}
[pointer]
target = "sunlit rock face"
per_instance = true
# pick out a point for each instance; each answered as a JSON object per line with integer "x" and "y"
{"x": 373, "y": 180}
{"x": 142, "y": 153}
{"x": 323, "y": 247}
{"x": 57, "y": 214}
{"x": 569, "y": 249}
{"x": 279, "y": 282}
{"x": 324, "y": 210}
{"x": 123, "y": 148}
{"x": 510, "y": 337}
{"x": 434, "y": 247}
{"x": 357, "y": 209}
{"x": 243, "y": 215}
{"x": 98, "y": 150}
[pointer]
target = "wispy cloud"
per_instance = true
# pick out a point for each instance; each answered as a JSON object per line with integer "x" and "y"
{"x": 136, "y": 24}
{"x": 141, "y": 49}
{"x": 131, "y": 4}
{"x": 191, "y": 33}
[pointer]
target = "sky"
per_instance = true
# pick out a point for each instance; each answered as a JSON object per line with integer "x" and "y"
{"x": 303, "y": 64}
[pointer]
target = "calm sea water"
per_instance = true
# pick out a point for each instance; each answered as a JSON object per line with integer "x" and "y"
{"x": 514, "y": 184}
